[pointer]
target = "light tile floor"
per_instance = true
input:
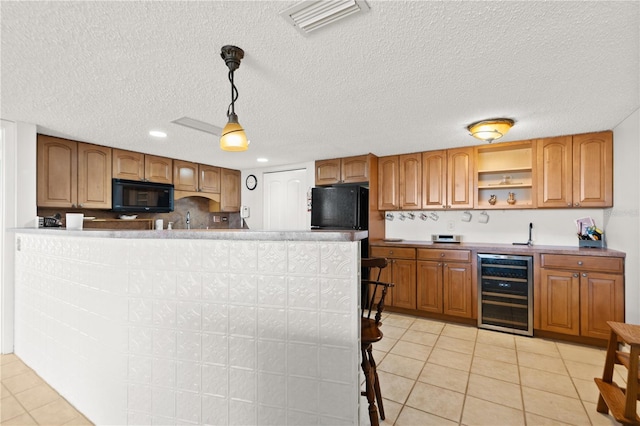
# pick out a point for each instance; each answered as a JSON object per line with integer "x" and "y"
{"x": 27, "y": 400}
{"x": 437, "y": 373}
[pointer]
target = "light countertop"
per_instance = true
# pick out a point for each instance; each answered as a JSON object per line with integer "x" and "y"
{"x": 203, "y": 234}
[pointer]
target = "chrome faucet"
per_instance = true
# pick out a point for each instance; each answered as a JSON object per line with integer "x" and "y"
{"x": 188, "y": 220}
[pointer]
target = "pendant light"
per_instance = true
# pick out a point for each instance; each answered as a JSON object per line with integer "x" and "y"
{"x": 490, "y": 130}
{"x": 233, "y": 137}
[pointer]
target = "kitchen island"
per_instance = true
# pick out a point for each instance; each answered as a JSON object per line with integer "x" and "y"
{"x": 193, "y": 327}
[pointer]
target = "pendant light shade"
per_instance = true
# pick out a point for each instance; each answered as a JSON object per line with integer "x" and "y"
{"x": 490, "y": 130}
{"x": 233, "y": 137}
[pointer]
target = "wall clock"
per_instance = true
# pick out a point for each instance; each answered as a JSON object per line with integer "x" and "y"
{"x": 251, "y": 182}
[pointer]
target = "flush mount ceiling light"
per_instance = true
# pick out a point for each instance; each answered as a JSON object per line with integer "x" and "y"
{"x": 157, "y": 133}
{"x": 490, "y": 130}
{"x": 308, "y": 16}
{"x": 233, "y": 137}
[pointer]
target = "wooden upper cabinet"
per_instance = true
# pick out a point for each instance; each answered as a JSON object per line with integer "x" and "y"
{"x": 73, "y": 174}
{"x": 355, "y": 169}
{"x": 94, "y": 176}
{"x": 185, "y": 175}
{"x": 434, "y": 179}
{"x": 143, "y": 167}
{"x": 208, "y": 178}
{"x": 575, "y": 171}
{"x": 460, "y": 178}
{"x": 328, "y": 171}
{"x": 128, "y": 165}
{"x": 593, "y": 170}
{"x": 343, "y": 170}
{"x": 388, "y": 183}
{"x": 57, "y": 172}
{"x": 230, "y": 190}
{"x": 158, "y": 169}
{"x": 554, "y": 172}
{"x": 410, "y": 182}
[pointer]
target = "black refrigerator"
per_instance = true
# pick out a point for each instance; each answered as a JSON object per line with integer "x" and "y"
{"x": 343, "y": 208}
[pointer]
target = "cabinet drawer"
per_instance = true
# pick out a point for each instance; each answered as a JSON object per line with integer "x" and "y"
{"x": 579, "y": 263}
{"x": 449, "y": 255}
{"x": 393, "y": 252}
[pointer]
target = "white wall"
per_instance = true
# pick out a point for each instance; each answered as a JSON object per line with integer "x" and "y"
{"x": 255, "y": 199}
{"x": 622, "y": 222}
{"x": 550, "y": 227}
{"x": 18, "y": 181}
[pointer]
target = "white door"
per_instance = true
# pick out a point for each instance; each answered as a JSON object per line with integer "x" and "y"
{"x": 285, "y": 201}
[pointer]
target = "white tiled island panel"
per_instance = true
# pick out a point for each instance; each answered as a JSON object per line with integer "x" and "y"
{"x": 181, "y": 331}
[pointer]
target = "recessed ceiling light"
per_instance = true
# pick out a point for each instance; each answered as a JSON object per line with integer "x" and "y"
{"x": 262, "y": 160}
{"x": 158, "y": 134}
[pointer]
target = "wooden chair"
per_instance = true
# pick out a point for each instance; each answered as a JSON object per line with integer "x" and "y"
{"x": 621, "y": 402}
{"x": 373, "y": 296}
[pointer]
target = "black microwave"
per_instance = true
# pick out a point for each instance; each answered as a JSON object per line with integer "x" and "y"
{"x": 135, "y": 196}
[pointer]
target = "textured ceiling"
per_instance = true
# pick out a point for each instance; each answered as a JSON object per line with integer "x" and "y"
{"x": 406, "y": 76}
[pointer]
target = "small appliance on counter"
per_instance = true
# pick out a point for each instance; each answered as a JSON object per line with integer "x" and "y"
{"x": 51, "y": 221}
{"x": 445, "y": 238}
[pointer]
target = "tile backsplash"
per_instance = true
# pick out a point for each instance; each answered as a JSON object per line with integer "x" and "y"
{"x": 198, "y": 207}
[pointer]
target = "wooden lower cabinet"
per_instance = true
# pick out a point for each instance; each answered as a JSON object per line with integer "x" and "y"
{"x": 445, "y": 286}
{"x": 403, "y": 275}
{"x": 579, "y": 299}
{"x": 457, "y": 290}
{"x": 401, "y": 271}
{"x": 429, "y": 286}
{"x": 560, "y": 301}
{"x": 602, "y": 300}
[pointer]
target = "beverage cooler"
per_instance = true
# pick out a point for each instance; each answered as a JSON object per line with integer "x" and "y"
{"x": 505, "y": 294}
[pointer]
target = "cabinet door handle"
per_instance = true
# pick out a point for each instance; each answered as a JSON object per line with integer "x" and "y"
{"x": 568, "y": 204}
{"x": 575, "y": 275}
{"x": 577, "y": 204}
{"x": 446, "y": 264}
{"x": 585, "y": 274}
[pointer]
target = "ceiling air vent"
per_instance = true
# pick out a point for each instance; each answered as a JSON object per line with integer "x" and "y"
{"x": 308, "y": 16}
{"x": 192, "y": 123}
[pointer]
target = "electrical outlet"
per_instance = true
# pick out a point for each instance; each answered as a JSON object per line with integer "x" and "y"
{"x": 216, "y": 219}
{"x": 451, "y": 225}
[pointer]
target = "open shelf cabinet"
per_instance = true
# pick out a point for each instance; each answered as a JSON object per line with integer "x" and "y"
{"x": 503, "y": 169}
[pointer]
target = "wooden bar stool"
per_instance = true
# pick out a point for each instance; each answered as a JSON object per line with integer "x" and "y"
{"x": 373, "y": 295}
{"x": 621, "y": 402}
